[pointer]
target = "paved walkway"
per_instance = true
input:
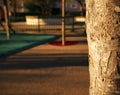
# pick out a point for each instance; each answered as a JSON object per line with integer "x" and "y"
{"x": 47, "y": 70}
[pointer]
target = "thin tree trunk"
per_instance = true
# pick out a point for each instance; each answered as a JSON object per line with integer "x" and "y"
{"x": 6, "y": 12}
{"x": 63, "y": 22}
{"x": 103, "y": 34}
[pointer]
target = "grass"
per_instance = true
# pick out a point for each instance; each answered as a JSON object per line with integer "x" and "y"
{"x": 19, "y": 42}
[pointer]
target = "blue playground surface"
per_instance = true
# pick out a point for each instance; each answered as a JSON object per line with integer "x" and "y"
{"x": 19, "y": 42}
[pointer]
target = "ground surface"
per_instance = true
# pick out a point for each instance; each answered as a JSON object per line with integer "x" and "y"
{"x": 46, "y": 70}
{"x": 20, "y": 41}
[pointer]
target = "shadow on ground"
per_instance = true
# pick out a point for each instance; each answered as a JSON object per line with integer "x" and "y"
{"x": 48, "y": 61}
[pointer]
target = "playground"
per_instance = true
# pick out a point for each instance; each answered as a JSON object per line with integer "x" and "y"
{"x": 20, "y": 41}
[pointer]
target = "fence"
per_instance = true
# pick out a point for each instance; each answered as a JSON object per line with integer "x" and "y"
{"x": 45, "y": 24}
{"x": 27, "y": 17}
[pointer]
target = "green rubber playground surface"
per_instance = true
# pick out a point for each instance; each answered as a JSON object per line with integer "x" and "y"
{"x": 19, "y": 42}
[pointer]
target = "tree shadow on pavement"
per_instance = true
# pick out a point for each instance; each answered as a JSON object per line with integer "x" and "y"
{"x": 48, "y": 61}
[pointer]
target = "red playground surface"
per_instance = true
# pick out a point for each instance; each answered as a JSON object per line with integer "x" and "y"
{"x": 67, "y": 43}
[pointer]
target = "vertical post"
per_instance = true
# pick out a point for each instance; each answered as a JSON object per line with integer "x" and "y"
{"x": 63, "y": 22}
{"x": 6, "y": 13}
{"x": 38, "y": 23}
{"x": 73, "y": 23}
{"x": 15, "y": 6}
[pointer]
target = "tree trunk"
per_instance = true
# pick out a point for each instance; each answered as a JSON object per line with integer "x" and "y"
{"x": 63, "y": 22}
{"x": 6, "y": 13}
{"x": 103, "y": 34}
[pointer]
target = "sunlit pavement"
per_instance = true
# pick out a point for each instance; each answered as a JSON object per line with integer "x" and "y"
{"x": 46, "y": 70}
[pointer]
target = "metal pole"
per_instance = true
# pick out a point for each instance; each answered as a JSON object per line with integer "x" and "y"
{"x": 38, "y": 23}
{"x": 73, "y": 23}
{"x": 63, "y": 22}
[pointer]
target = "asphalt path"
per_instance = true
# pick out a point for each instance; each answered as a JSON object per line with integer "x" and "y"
{"x": 46, "y": 70}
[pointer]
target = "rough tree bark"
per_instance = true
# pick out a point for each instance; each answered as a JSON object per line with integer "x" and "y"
{"x": 103, "y": 34}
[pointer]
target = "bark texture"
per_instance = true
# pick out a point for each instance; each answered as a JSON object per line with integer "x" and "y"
{"x": 103, "y": 34}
